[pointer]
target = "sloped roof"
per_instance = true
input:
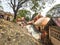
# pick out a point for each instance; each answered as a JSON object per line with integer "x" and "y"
{"x": 38, "y": 16}
{"x": 57, "y": 21}
{"x": 1, "y": 12}
{"x": 54, "y": 11}
{"x": 5, "y": 13}
{"x": 42, "y": 21}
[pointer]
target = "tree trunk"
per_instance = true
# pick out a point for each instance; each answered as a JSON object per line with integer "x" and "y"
{"x": 15, "y": 14}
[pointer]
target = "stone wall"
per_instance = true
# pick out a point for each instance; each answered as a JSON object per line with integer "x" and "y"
{"x": 6, "y": 16}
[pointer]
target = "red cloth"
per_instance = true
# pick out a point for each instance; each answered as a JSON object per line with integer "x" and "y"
{"x": 43, "y": 35}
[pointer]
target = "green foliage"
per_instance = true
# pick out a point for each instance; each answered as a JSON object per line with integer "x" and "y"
{"x": 34, "y": 8}
{"x": 36, "y": 5}
{"x": 48, "y": 15}
{"x": 18, "y": 16}
{"x": 14, "y": 20}
{"x": 1, "y": 6}
{"x": 16, "y": 5}
{"x": 34, "y": 15}
{"x": 27, "y": 18}
{"x": 54, "y": 11}
{"x": 23, "y": 13}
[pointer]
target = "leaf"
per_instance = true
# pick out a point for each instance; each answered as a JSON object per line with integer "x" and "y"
{"x": 23, "y": 13}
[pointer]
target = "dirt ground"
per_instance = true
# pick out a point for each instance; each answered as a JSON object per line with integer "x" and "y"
{"x": 12, "y": 34}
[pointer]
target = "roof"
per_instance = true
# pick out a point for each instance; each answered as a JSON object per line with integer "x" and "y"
{"x": 37, "y": 17}
{"x": 5, "y": 13}
{"x": 57, "y": 21}
{"x": 42, "y": 21}
{"x": 8, "y": 13}
{"x": 1, "y": 12}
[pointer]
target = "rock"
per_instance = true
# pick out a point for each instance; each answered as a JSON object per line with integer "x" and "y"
{"x": 13, "y": 34}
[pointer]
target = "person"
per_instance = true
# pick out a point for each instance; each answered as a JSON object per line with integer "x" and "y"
{"x": 8, "y": 18}
{"x": 43, "y": 37}
{"x": 1, "y": 16}
{"x": 24, "y": 22}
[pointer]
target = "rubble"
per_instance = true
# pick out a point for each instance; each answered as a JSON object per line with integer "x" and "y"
{"x": 13, "y": 34}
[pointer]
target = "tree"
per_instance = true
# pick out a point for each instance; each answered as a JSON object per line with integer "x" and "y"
{"x": 34, "y": 15}
{"x": 48, "y": 15}
{"x": 38, "y": 5}
{"x": 23, "y": 13}
{"x": 16, "y": 5}
{"x": 27, "y": 18}
{"x": 35, "y": 5}
{"x": 54, "y": 11}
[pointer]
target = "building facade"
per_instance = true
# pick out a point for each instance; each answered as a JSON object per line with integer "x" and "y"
{"x": 54, "y": 35}
{"x": 6, "y": 15}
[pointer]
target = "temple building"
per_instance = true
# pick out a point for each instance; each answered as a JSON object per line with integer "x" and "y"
{"x": 54, "y": 32}
{"x": 6, "y": 15}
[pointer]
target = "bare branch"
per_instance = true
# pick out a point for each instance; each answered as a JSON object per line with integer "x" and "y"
{"x": 10, "y": 5}
{"x": 16, "y": 5}
{"x": 11, "y": 2}
{"x": 20, "y": 4}
{"x": 23, "y": 2}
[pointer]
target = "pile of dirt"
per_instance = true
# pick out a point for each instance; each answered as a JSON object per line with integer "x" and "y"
{"x": 12, "y": 34}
